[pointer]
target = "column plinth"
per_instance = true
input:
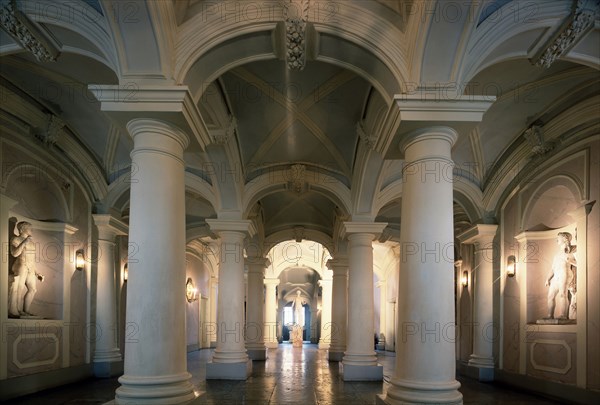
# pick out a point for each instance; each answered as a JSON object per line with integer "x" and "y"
{"x": 360, "y": 360}
{"x": 156, "y": 363}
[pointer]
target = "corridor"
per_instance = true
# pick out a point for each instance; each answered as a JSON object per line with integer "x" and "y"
{"x": 289, "y": 376}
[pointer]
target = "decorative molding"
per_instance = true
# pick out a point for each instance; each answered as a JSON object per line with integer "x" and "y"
{"x": 297, "y": 176}
{"x": 51, "y": 134}
{"x": 368, "y": 140}
{"x": 49, "y": 337}
{"x": 535, "y": 365}
{"x": 298, "y": 233}
{"x": 28, "y": 34}
{"x": 579, "y": 22}
{"x": 222, "y": 137}
{"x": 295, "y": 33}
{"x": 535, "y": 136}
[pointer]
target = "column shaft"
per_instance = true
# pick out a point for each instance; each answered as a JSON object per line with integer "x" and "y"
{"x": 107, "y": 356}
{"x": 425, "y": 354}
{"x": 271, "y": 313}
{"x": 155, "y": 351}
{"x": 255, "y": 337}
{"x": 339, "y": 316}
{"x": 326, "y": 327}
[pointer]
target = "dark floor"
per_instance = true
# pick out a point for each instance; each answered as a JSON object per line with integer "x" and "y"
{"x": 289, "y": 376}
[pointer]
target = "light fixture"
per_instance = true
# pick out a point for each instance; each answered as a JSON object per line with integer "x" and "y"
{"x": 511, "y": 266}
{"x": 465, "y": 279}
{"x": 191, "y": 292}
{"x": 125, "y": 272}
{"x": 79, "y": 260}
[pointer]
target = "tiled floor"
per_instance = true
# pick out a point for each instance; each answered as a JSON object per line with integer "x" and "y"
{"x": 289, "y": 376}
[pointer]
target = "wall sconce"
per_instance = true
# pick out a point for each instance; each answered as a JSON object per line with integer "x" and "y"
{"x": 465, "y": 279}
{"x": 511, "y": 266}
{"x": 125, "y": 273}
{"x": 79, "y": 260}
{"x": 190, "y": 290}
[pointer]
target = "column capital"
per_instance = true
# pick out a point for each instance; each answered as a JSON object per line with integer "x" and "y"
{"x": 226, "y": 225}
{"x": 109, "y": 226}
{"x": 480, "y": 234}
{"x": 338, "y": 264}
{"x": 272, "y": 281}
{"x": 172, "y": 104}
{"x": 429, "y": 135}
{"x": 141, "y": 126}
{"x": 257, "y": 264}
{"x": 368, "y": 228}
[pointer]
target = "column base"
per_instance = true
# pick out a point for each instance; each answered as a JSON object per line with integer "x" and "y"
{"x": 415, "y": 392}
{"x": 228, "y": 371}
{"x": 107, "y": 369}
{"x": 351, "y": 372}
{"x": 335, "y": 356}
{"x": 271, "y": 345}
{"x": 156, "y": 390}
{"x": 480, "y": 368}
{"x": 257, "y": 354}
{"x": 323, "y": 346}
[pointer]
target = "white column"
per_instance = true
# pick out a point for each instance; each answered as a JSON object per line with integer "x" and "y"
{"x": 155, "y": 350}
{"x": 211, "y": 329}
{"x": 425, "y": 352}
{"x": 271, "y": 313}
{"x": 382, "y": 285}
{"x": 230, "y": 360}
{"x": 108, "y": 361}
{"x": 360, "y": 361}
{"x": 339, "y": 315}
{"x": 255, "y": 332}
{"x": 326, "y": 285}
{"x": 390, "y": 335}
{"x": 482, "y": 236}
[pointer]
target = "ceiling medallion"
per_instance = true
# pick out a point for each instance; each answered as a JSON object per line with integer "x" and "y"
{"x": 296, "y": 16}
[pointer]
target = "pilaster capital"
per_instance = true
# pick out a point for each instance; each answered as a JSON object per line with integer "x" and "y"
{"x": 374, "y": 229}
{"x": 271, "y": 282}
{"x": 481, "y": 235}
{"x": 109, "y": 227}
{"x": 222, "y": 226}
{"x": 257, "y": 264}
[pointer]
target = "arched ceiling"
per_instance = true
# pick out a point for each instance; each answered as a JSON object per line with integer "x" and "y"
{"x": 264, "y": 118}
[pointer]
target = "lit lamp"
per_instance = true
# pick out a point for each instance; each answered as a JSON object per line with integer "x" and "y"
{"x": 511, "y": 266}
{"x": 190, "y": 290}
{"x": 79, "y": 260}
{"x": 125, "y": 273}
{"x": 465, "y": 279}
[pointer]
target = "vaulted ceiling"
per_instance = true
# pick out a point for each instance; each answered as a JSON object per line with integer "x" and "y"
{"x": 308, "y": 146}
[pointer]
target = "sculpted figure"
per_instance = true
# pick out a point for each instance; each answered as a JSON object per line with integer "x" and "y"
{"x": 23, "y": 288}
{"x": 561, "y": 280}
{"x": 298, "y": 309}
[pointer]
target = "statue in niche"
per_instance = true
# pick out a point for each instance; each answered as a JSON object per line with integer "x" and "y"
{"x": 23, "y": 288}
{"x": 298, "y": 309}
{"x": 562, "y": 281}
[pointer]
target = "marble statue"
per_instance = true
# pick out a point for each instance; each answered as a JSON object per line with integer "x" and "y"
{"x": 298, "y": 309}
{"x": 562, "y": 280}
{"x": 23, "y": 288}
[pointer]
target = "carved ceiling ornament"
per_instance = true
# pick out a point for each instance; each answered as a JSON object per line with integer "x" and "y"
{"x": 535, "y": 136}
{"x": 579, "y": 22}
{"x": 222, "y": 137}
{"x": 369, "y": 141}
{"x": 298, "y": 233}
{"x": 27, "y": 35}
{"x": 297, "y": 175}
{"x": 295, "y": 13}
{"x": 51, "y": 134}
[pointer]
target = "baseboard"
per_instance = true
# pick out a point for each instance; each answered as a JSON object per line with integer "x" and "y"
{"x": 28, "y": 384}
{"x": 568, "y": 394}
{"x": 193, "y": 348}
